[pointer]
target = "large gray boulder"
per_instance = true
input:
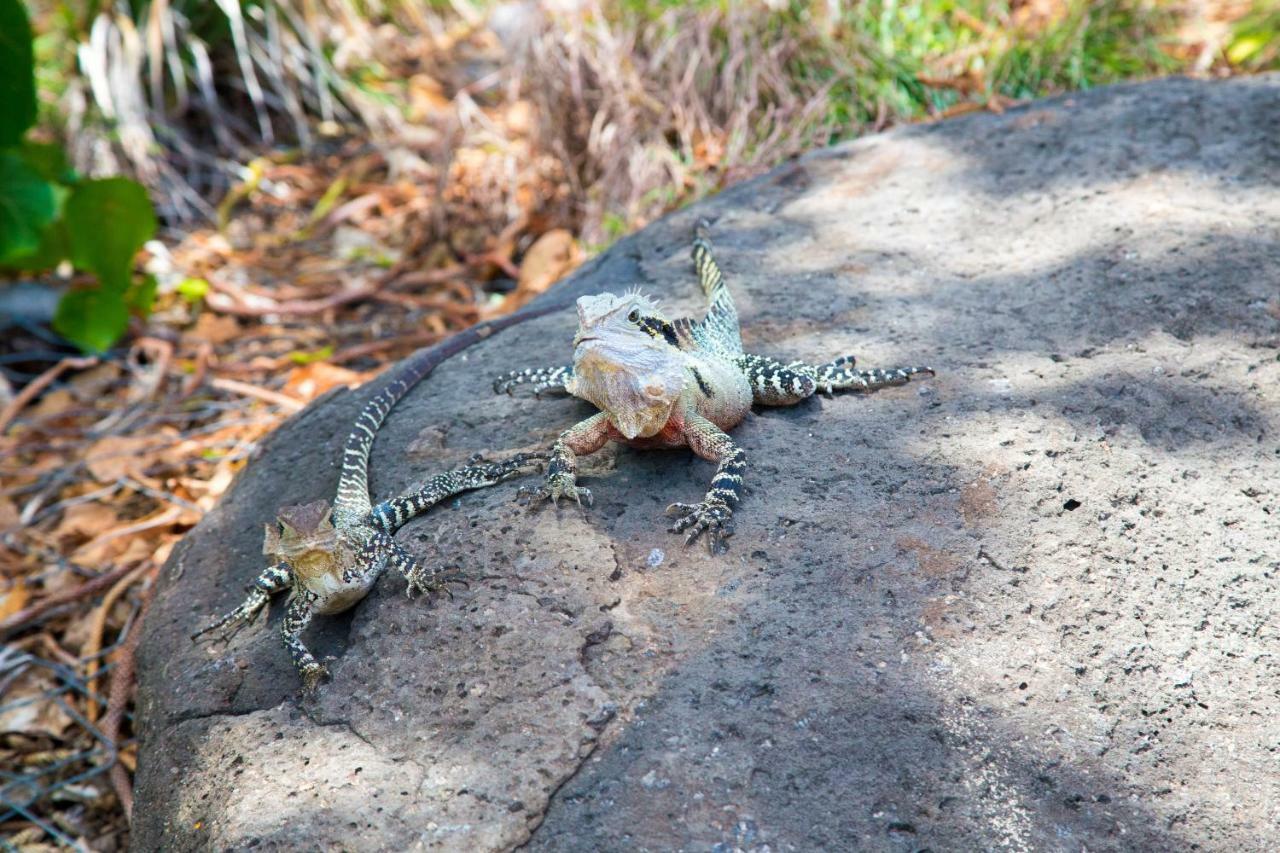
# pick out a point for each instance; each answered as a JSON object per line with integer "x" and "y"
{"x": 1027, "y": 605}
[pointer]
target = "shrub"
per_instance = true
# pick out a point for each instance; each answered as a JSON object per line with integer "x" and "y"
{"x": 49, "y": 214}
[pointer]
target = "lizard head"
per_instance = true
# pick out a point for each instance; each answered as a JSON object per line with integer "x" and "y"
{"x": 627, "y": 360}
{"x": 298, "y": 530}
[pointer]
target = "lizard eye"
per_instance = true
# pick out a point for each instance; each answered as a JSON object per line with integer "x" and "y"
{"x": 634, "y": 316}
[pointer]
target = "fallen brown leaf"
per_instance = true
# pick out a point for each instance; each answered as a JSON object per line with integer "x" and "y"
{"x": 308, "y": 381}
{"x": 426, "y": 98}
{"x": 40, "y": 715}
{"x": 53, "y": 404}
{"x": 213, "y": 328}
{"x": 88, "y": 385}
{"x": 13, "y": 599}
{"x": 86, "y": 520}
{"x": 107, "y": 545}
{"x": 120, "y": 455}
{"x": 553, "y": 256}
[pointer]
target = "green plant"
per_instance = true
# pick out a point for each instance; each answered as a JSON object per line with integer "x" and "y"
{"x": 49, "y": 214}
{"x": 1255, "y": 40}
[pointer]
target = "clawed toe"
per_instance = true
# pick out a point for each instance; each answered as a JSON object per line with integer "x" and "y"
{"x": 428, "y": 583}
{"x": 313, "y": 675}
{"x": 712, "y": 519}
{"x": 553, "y": 491}
{"x": 515, "y": 466}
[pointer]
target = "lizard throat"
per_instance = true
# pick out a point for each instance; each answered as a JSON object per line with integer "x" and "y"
{"x": 637, "y": 389}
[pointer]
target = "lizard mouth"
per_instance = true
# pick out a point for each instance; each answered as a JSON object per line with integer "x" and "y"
{"x": 582, "y": 339}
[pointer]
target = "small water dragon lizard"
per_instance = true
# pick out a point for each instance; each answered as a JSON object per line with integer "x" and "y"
{"x": 660, "y": 384}
{"x": 330, "y": 555}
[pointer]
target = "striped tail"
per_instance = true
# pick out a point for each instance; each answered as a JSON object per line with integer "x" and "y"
{"x": 720, "y": 327}
{"x": 353, "y": 503}
{"x": 353, "y": 500}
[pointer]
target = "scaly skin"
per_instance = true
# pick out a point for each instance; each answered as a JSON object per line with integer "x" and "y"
{"x": 329, "y": 556}
{"x": 662, "y": 384}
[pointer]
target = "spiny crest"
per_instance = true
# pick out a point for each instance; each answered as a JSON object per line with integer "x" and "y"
{"x": 647, "y": 304}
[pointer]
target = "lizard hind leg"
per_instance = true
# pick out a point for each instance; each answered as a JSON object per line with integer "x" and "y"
{"x": 419, "y": 578}
{"x": 381, "y": 551}
{"x": 542, "y": 379}
{"x": 273, "y": 579}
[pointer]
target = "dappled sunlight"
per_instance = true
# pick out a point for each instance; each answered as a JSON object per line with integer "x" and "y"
{"x": 1139, "y": 217}
{"x": 1101, "y": 551}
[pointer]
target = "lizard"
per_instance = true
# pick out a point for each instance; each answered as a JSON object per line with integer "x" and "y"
{"x": 329, "y": 555}
{"x": 661, "y": 383}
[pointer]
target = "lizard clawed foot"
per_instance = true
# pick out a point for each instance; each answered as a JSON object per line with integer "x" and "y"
{"x": 557, "y": 486}
{"x": 430, "y": 581}
{"x": 420, "y": 579}
{"x": 313, "y": 675}
{"x": 234, "y": 621}
{"x": 714, "y": 518}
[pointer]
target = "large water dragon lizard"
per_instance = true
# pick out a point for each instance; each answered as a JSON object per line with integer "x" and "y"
{"x": 330, "y": 555}
{"x": 661, "y": 383}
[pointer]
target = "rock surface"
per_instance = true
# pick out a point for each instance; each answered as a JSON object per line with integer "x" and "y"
{"x": 1027, "y": 605}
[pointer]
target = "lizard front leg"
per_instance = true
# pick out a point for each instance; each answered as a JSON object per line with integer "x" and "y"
{"x": 296, "y": 619}
{"x": 542, "y": 378}
{"x": 274, "y": 579}
{"x": 774, "y": 383}
{"x": 380, "y": 551}
{"x": 582, "y": 438}
{"x": 840, "y": 375}
{"x": 714, "y": 515}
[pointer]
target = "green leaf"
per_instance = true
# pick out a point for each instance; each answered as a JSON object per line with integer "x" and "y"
{"x": 141, "y": 296}
{"x": 92, "y": 319}
{"x": 1244, "y": 47}
{"x": 27, "y": 205}
{"x": 17, "y": 73}
{"x": 193, "y": 289}
{"x": 54, "y": 248}
{"x": 109, "y": 220}
{"x": 304, "y": 357}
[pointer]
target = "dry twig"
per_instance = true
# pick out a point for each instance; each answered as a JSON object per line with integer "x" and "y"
{"x": 229, "y": 301}
{"x": 29, "y": 615}
{"x": 94, "y": 645}
{"x": 119, "y": 695}
{"x": 265, "y": 394}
